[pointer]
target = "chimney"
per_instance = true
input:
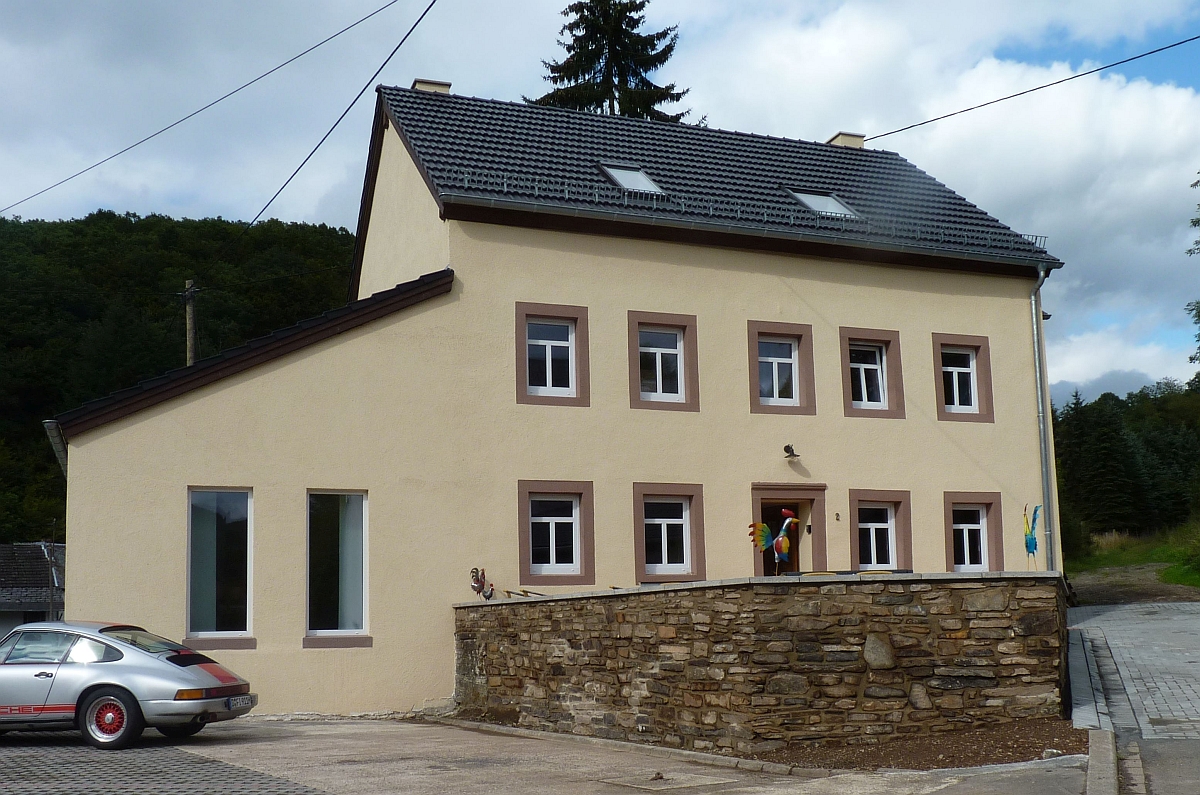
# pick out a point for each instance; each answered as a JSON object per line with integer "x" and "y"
{"x": 852, "y": 140}
{"x": 438, "y": 86}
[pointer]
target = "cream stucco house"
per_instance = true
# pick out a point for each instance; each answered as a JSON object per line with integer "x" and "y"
{"x": 575, "y": 351}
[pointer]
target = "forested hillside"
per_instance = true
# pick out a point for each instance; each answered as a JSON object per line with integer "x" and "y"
{"x": 91, "y": 305}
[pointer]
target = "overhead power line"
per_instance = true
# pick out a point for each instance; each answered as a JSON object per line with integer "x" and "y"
{"x": 1036, "y": 88}
{"x": 198, "y": 111}
{"x": 354, "y": 101}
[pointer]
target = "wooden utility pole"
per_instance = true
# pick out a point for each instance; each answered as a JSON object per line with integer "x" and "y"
{"x": 189, "y": 312}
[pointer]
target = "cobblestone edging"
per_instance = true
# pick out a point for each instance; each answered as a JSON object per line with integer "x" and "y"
{"x": 751, "y": 665}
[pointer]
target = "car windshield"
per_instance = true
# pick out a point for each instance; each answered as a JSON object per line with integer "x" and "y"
{"x": 142, "y": 639}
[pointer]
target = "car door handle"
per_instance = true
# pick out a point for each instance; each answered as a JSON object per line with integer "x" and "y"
{"x": 43, "y": 675}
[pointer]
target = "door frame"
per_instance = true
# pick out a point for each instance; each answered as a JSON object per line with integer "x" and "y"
{"x": 812, "y": 492}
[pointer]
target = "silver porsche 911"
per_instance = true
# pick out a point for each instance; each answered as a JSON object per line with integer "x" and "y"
{"x": 111, "y": 681}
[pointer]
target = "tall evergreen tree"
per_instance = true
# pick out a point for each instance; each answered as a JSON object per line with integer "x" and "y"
{"x": 608, "y": 62}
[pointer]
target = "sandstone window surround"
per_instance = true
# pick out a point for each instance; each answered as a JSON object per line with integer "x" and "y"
{"x": 862, "y": 341}
{"x": 990, "y": 500}
{"x": 900, "y": 502}
{"x": 692, "y": 496}
{"x": 535, "y": 361}
{"x": 581, "y": 493}
{"x": 654, "y": 363}
{"x": 951, "y": 377}
{"x": 769, "y": 371}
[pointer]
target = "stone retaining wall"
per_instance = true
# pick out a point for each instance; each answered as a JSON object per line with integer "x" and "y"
{"x": 750, "y": 665}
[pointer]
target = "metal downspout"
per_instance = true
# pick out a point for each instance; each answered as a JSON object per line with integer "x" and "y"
{"x": 1039, "y": 369}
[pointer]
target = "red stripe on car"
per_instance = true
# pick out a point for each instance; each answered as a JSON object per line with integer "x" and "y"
{"x": 221, "y": 675}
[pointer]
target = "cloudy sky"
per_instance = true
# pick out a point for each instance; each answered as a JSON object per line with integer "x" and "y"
{"x": 1100, "y": 165}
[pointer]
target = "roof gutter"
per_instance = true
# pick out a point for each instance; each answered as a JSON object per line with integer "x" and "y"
{"x": 58, "y": 442}
{"x": 1039, "y": 371}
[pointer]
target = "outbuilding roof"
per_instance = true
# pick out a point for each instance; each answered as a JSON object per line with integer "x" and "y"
{"x": 509, "y": 162}
{"x": 27, "y": 574}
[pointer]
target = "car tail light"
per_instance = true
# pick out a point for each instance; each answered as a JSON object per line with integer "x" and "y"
{"x": 211, "y": 692}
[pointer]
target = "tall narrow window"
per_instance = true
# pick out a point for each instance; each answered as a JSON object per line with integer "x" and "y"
{"x": 868, "y": 377}
{"x": 876, "y": 537}
{"x": 554, "y": 534}
{"x": 958, "y": 380}
{"x": 550, "y": 346}
{"x": 666, "y": 536}
{"x": 219, "y": 548}
{"x": 336, "y": 554}
{"x": 777, "y": 368}
{"x": 660, "y": 357}
{"x": 970, "y": 537}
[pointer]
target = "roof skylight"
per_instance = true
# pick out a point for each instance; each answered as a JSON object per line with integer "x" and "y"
{"x": 824, "y": 203}
{"x": 631, "y": 178}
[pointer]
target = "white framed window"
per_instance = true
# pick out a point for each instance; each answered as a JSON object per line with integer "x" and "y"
{"x": 550, "y": 363}
{"x": 631, "y": 178}
{"x": 868, "y": 376}
{"x": 337, "y": 563}
{"x": 554, "y": 546}
{"x": 876, "y": 536}
{"x": 667, "y": 535}
{"x": 969, "y": 525}
{"x": 959, "y": 381}
{"x": 660, "y": 359}
{"x": 220, "y": 561}
{"x": 778, "y": 363}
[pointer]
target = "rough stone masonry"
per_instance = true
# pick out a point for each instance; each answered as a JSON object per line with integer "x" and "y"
{"x": 740, "y": 666}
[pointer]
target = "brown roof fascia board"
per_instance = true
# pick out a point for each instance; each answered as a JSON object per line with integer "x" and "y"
{"x": 256, "y": 352}
{"x": 585, "y": 222}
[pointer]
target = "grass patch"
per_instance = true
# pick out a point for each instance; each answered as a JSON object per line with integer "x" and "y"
{"x": 1124, "y": 550}
{"x": 1180, "y": 574}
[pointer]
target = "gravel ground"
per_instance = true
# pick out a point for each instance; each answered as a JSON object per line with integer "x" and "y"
{"x": 1018, "y": 741}
{"x": 1125, "y": 584}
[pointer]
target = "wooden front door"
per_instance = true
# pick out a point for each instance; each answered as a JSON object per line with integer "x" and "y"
{"x": 771, "y": 514}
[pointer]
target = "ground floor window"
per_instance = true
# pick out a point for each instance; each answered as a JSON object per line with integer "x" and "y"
{"x": 970, "y": 537}
{"x": 554, "y": 534}
{"x": 876, "y": 536}
{"x": 668, "y": 522}
{"x": 974, "y": 531}
{"x": 219, "y": 565}
{"x": 336, "y": 562}
{"x": 666, "y": 535}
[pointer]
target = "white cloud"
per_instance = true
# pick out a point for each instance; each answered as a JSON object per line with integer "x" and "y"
{"x": 1086, "y": 356}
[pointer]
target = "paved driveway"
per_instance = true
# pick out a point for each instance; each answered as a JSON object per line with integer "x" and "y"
{"x": 1149, "y": 661}
{"x": 375, "y": 757}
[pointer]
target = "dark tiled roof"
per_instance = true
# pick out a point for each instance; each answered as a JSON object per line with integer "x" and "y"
{"x": 519, "y": 156}
{"x": 25, "y": 575}
{"x": 255, "y": 352}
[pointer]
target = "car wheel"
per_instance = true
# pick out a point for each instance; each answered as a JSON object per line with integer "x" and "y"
{"x": 111, "y": 719}
{"x": 179, "y": 732}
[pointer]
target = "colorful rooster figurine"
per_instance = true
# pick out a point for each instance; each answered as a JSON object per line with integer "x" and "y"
{"x": 764, "y": 539}
{"x": 480, "y": 585}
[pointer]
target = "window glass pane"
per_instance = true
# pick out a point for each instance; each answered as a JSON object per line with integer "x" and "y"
{"x": 7, "y": 644}
{"x": 675, "y": 543}
{"x": 883, "y": 550}
{"x": 564, "y": 542}
{"x": 335, "y": 561}
{"x": 975, "y": 546}
{"x": 864, "y": 356}
{"x": 659, "y": 339}
{"x": 865, "y": 551}
{"x": 785, "y": 379}
{"x": 551, "y": 508}
{"x": 777, "y": 350}
{"x": 537, "y": 365}
{"x": 220, "y": 522}
{"x": 960, "y": 548}
{"x": 560, "y": 366}
{"x": 856, "y": 387}
{"x": 874, "y": 394}
{"x": 965, "y": 516}
{"x": 87, "y": 650}
{"x": 539, "y": 540}
{"x": 664, "y": 510}
{"x": 654, "y": 545}
{"x": 766, "y": 380}
{"x": 964, "y": 390}
{"x": 952, "y": 359}
{"x": 40, "y": 647}
{"x": 670, "y": 373}
{"x": 649, "y": 363}
{"x": 557, "y": 332}
{"x": 872, "y": 515}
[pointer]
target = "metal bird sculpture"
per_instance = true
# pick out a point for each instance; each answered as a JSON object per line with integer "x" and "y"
{"x": 480, "y": 585}
{"x": 764, "y": 539}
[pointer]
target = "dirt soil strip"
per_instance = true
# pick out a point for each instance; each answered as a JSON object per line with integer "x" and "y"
{"x": 1125, "y": 584}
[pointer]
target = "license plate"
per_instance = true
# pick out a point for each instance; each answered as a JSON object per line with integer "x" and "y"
{"x": 237, "y": 702}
